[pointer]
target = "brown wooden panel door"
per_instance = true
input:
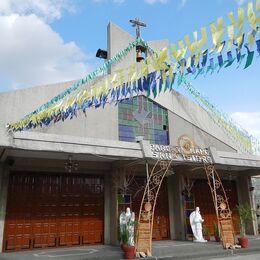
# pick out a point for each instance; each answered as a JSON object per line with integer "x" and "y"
{"x": 161, "y": 224}
{"x": 51, "y": 210}
{"x": 18, "y": 213}
{"x": 45, "y": 202}
{"x": 70, "y": 211}
{"x": 203, "y": 199}
{"x": 93, "y": 211}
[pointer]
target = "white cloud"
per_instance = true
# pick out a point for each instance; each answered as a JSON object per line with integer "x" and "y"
{"x": 240, "y": 2}
{"x": 105, "y": 1}
{"x": 151, "y": 2}
{"x": 46, "y": 9}
{"x": 249, "y": 121}
{"x": 118, "y": 1}
{"x": 183, "y": 2}
{"x": 32, "y": 53}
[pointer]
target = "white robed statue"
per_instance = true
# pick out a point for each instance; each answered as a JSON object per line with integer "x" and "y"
{"x": 127, "y": 223}
{"x": 196, "y": 225}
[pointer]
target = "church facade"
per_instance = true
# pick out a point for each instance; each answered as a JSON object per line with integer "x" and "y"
{"x": 65, "y": 184}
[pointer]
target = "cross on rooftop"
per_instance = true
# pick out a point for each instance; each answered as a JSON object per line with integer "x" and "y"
{"x": 137, "y": 23}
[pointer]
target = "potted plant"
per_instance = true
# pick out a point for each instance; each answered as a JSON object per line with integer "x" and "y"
{"x": 216, "y": 232}
{"x": 123, "y": 237}
{"x": 127, "y": 233}
{"x": 245, "y": 214}
{"x": 205, "y": 232}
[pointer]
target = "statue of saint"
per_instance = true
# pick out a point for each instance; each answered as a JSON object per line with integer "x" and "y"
{"x": 127, "y": 223}
{"x": 196, "y": 225}
{"x": 131, "y": 230}
{"x": 128, "y": 214}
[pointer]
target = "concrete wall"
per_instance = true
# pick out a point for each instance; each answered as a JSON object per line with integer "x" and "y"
{"x": 107, "y": 206}
{"x": 186, "y": 114}
{"x": 16, "y": 104}
{"x": 177, "y": 214}
{"x": 244, "y": 196}
{"x": 117, "y": 40}
{"x": 113, "y": 213}
{"x": 4, "y": 177}
{"x": 179, "y": 126}
{"x": 171, "y": 206}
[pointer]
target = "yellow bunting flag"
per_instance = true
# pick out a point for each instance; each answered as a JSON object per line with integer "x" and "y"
{"x": 121, "y": 76}
{"x": 217, "y": 31}
{"x": 202, "y": 42}
{"x": 231, "y": 35}
{"x": 188, "y": 62}
{"x": 132, "y": 73}
{"x": 192, "y": 46}
{"x": 232, "y": 19}
{"x": 241, "y": 15}
{"x": 258, "y": 5}
{"x": 251, "y": 15}
{"x": 144, "y": 68}
{"x": 114, "y": 80}
{"x": 258, "y": 10}
{"x": 251, "y": 39}
{"x": 178, "y": 53}
{"x": 160, "y": 59}
{"x": 239, "y": 37}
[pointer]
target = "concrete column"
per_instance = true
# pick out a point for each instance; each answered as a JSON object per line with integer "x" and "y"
{"x": 177, "y": 214}
{"x": 244, "y": 196}
{"x": 4, "y": 178}
{"x": 113, "y": 214}
{"x": 107, "y": 206}
{"x": 171, "y": 206}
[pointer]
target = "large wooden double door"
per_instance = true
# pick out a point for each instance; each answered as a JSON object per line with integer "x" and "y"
{"x": 203, "y": 199}
{"x": 161, "y": 223}
{"x": 53, "y": 210}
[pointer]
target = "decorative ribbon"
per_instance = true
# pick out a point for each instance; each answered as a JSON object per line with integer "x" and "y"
{"x": 167, "y": 69}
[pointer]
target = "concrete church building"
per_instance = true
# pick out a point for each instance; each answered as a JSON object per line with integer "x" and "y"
{"x": 60, "y": 185}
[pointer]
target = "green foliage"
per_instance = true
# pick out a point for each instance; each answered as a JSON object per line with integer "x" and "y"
{"x": 245, "y": 213}
{"x": 205, "y": 231}
{"x": 123, "y": 233}
{"x": 216, "y": 230}
{"x": 124, "y": 236}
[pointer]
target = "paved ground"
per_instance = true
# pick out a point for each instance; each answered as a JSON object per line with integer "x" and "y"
{"x": 255, "y": 256}
{"x": 161, "y": 250}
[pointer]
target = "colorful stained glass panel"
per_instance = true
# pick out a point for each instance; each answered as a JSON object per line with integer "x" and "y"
{"x": 142, "y": 117}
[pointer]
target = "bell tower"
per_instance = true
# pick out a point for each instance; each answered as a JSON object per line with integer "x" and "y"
{"x": 140, "y": 49}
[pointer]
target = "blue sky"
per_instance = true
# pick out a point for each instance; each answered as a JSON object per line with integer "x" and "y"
{"x": 47, "y": 41}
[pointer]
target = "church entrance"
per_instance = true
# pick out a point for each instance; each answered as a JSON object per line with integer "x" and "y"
{"x": 161, "y": 224}
{"x": 201, "y": 196}
{"x": 51, "y": 210}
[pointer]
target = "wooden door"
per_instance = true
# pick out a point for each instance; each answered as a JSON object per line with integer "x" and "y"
{"x": 161, "y": 227}
{"x": 203, "y": 200}
{"x": 92, "y": 211}
{"x": 161, "y": 224}
{"x": 18, "y": 223}
{"x": 69, "y": 211}
{"x": 45, "y": 200}
{"x": 53, "y": 210}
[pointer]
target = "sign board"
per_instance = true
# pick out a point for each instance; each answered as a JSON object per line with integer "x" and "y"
{"x": 168, "y": 152}
{"x": 144, "y": 237}
{"x": 227, "y": 232}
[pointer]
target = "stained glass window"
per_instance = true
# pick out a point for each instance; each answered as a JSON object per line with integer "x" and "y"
{"x": 140, "y": 116}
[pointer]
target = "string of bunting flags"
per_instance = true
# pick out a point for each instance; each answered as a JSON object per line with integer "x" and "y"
{"x": 159, "y": 72}
{"x": 93, "y": 75}
{"x": 247, "y": 143}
